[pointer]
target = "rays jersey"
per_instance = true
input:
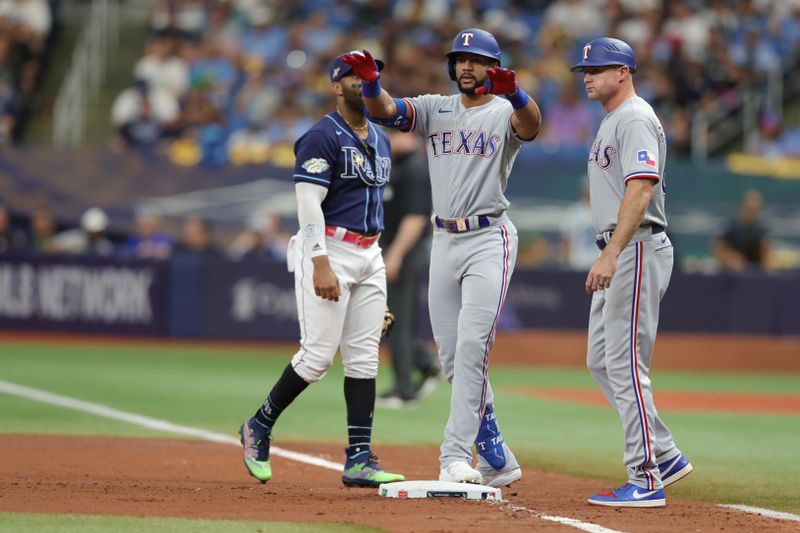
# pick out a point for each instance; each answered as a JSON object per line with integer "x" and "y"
{"x": 470, "y": 153}
{"x": 630, "y": 144}
{"x": 330, "y": 154}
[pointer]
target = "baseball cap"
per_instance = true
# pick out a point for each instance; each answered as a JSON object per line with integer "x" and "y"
{"x": 338, "y": 69}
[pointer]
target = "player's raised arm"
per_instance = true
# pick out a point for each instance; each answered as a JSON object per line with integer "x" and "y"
{"x": 526, "y": 119}
{"x": 381, "y": 107}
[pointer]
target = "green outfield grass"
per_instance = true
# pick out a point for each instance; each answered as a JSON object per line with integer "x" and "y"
{"x": 749, "y": 459}
{"x": 21, "y": 522}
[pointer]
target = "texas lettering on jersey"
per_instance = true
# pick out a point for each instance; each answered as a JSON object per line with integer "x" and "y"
{"x": 464, "y": 142}
{"x": 601, "y": 157}
{"x": 357, "y": 166}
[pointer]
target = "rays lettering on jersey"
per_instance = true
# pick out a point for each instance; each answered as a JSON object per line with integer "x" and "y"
{"x": 357, "y": 166}
{"x": 464, "y": 142}
{"x": 601, "y": 158}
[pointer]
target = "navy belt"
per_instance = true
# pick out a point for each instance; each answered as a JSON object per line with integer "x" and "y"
{"x": 602, "y": 242}
{"x": 461, "y": 225}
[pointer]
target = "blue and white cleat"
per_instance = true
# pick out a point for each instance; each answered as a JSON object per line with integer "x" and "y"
{"x": 496, "y": 463}
{"x": 629, "y": 495}
{"x": 675, "y": 469}
{"x": 489, "y": 442}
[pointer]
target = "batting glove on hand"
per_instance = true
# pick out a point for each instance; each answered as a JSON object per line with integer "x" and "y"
{"x": 498, "y": 81}
{"x": 363, "y": 65}
{"x": 388, "y": 322}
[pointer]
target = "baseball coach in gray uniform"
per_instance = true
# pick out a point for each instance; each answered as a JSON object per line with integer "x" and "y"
{"x": 627, "y": 188}
{"x": 472, "y": 139}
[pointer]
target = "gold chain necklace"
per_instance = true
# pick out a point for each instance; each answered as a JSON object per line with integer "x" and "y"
{"x": 363, "y": 127}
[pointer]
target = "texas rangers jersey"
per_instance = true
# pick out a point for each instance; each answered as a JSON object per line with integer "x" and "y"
{"x": 470, "y": 153}
{"x": 330, "y": 154}
{"x": 630, "y": 144}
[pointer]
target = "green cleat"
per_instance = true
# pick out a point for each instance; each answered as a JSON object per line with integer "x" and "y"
{"x": 255, "y": 440}
{"x": 367, "y": 473}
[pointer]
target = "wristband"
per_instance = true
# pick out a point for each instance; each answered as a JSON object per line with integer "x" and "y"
{"x": 371, "y": 89}
{"x": 519, "y": 99}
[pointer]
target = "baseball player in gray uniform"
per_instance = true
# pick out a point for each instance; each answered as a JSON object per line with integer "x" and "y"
{"x": 627, "y": 190}
{"x": 472, "y": 139}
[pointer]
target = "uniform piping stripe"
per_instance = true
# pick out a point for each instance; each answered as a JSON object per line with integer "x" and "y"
{"x": 366, "y": 210}
{"x": 648, "y": 175}
{"x": 303, "y": 177}
{"x": 343, "y": 128}
{"x": 413, "y": 113}
{"x": 490, "y": 340}
{"x": 301, "y": 313}
{"x": 637, "y": 386}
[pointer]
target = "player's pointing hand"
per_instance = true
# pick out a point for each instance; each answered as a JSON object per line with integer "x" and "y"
{"x": 498, "y": 81}
{"x": 363, "y": 65}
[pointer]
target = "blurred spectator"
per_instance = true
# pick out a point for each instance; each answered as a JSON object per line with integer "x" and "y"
{"x": 187, "y": 16}
{"x": 42, "y": 230}
{"x": 162, "y": 66}
{"x": 262, "y": 239}
{"x": 142, "y": 115}
{"x": 772, "y": 141}
{"x": 214, "y": 70}
{"x": 11, "y": 238}
{"x": 755, "y": 53}
{"x": 576, "y": 17}
{"x": 148, "y": 241}
{"x": 256, "y": 102}
{"x": 744, "y": 244}
{"x": 201, "y": 124}
{"x": 570, "y": 122}
{"x": 28, "y": 24}
{"x": 197, "y": 239}
{"x": 578, "y": 248}
{"x": 88, "y": 239}
{"x": 265, "y": 42}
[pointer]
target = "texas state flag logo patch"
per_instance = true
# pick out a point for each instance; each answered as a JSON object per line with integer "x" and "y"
{"x": 646, "y": 157}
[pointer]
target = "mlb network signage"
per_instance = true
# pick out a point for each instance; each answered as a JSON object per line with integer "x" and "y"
{"x": 61, "y": 294}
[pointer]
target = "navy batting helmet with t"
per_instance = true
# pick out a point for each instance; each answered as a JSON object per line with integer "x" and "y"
{"x": 606, "y": 51}
{"x": 473, "y": 41}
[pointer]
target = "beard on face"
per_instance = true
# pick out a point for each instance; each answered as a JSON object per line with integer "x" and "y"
{"x": 353, "y": 100}
{"x": 470, "y": 91}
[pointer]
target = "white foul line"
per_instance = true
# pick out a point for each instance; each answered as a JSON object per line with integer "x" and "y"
{"x": 151, "y": 423}
{"x": 780, "y": 515}
{"x": 212, "y": 436}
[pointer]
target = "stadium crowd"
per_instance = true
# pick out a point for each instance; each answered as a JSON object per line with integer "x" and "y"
{"x": 239, "y": 80}
{"x": 262, "y": 239}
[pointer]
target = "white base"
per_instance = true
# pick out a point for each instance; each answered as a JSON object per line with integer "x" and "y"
{"x": 439, "y": 489}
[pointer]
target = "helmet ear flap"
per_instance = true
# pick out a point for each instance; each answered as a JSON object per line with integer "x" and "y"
{"x": 451, "y": 67}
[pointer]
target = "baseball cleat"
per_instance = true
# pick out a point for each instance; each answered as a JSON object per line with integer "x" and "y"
{"x": 629, "y": 495}
{"x": 502, "y": 477}
{"x": 460, "y": 472}
{"x": 675, "y": 469}
{"x": 367, "y": 473}
{"x": 255, "y": 440}
{"x": 489, "y": 442}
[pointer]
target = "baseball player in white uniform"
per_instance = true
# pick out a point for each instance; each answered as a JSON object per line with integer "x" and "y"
{"x": 627, "y": 189}
{"x": 472, "y": 139}
{"x": 343, "y": 165}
